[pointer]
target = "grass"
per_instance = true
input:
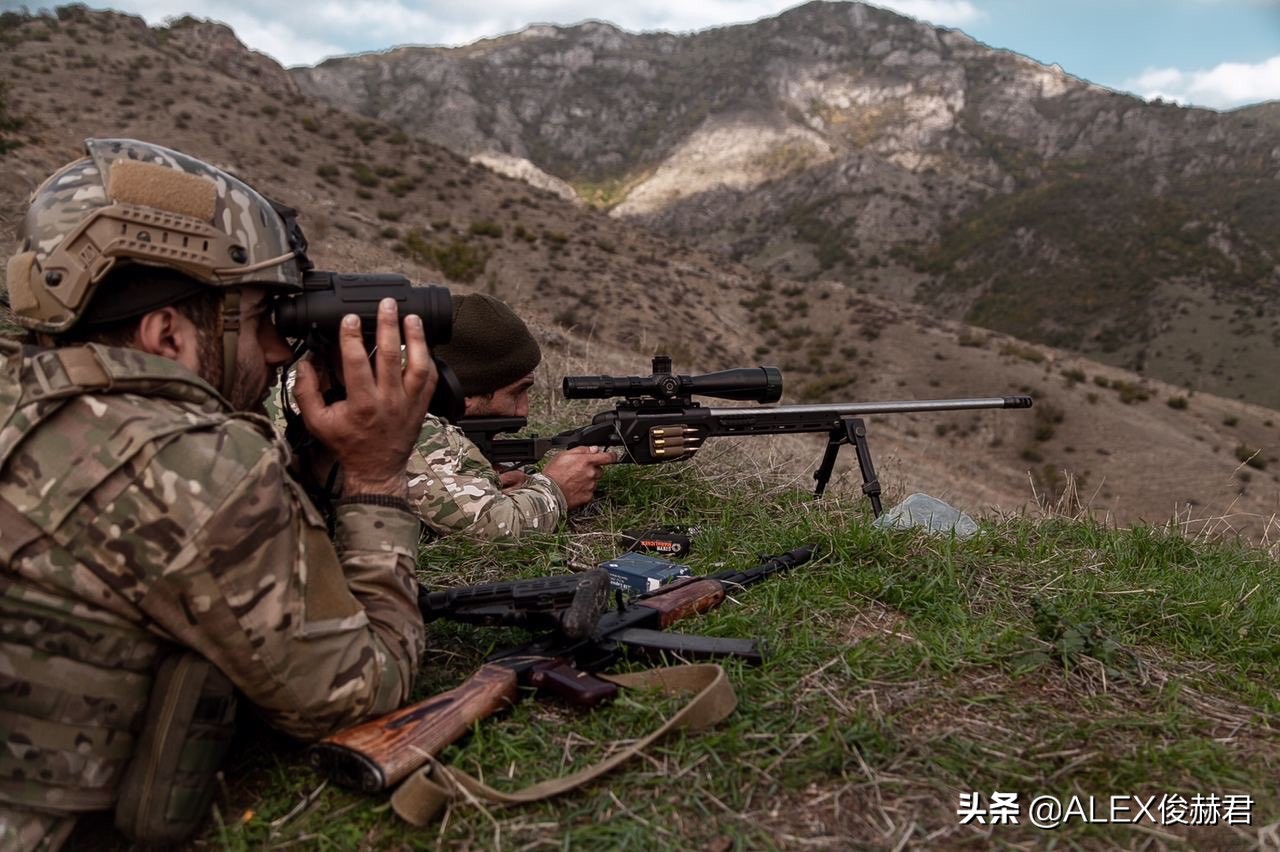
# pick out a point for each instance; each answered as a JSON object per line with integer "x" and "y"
{"x": 1054, "y": 655}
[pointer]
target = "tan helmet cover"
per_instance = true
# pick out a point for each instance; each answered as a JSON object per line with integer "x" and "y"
{"x": 141, "y": 203}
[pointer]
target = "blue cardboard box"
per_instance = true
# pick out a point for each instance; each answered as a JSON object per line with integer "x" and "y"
{"x": 636, "y": 573}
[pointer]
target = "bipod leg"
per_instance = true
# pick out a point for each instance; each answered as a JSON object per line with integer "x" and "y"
{"x": 856, "y": 434}
{"x": 835, "y": 440}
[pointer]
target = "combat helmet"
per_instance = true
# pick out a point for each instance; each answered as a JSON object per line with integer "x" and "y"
{"x": 132, "y": 202}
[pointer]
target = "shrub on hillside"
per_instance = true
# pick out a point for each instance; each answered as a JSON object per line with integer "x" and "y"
{"x": 9, "y": 123}
{"x": 364, "y": 175}
{"x": 486, "y": 228}
{"x": 1251, "y": 456}
{"x": 457, "y": 258}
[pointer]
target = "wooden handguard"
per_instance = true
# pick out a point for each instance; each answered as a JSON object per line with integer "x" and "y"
{"x": 379, "y": 754}
{"x": 684, "y": 600}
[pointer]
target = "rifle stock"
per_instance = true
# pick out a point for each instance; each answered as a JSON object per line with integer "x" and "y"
{"x": 381, "y": 753}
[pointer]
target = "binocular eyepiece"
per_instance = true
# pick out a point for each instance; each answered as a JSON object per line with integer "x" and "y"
{"x": 328, "y": 296}
{"x": 755, "y": 384}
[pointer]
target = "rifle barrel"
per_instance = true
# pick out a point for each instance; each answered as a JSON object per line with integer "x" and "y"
{"x": 858, "y": 409}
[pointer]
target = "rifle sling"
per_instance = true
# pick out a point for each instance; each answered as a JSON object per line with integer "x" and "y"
{"x": 419, "y": 799}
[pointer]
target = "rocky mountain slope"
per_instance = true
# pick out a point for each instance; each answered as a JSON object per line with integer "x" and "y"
{"x": 604, "y": 295}
{"x": 842, "y": 142}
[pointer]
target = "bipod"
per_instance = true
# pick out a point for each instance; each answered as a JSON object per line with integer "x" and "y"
{"x": 851, "y": 430}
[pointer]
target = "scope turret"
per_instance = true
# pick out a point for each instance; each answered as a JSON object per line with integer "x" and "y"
{"x": 755, "y": 384}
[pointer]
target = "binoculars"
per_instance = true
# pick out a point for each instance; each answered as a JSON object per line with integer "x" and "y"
{"x": 313, "y": 315}
{"x": 327, "y": 297}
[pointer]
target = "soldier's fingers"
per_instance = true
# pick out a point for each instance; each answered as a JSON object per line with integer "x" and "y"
{"x": 419, "y": 369}
{"x": 356, "y": 374}
{"x": 388, "y": 338}
{"x": 306, "y": 390}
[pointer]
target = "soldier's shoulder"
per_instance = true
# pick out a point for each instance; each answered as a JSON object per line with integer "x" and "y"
{"x": 432, "y": 428}
{"x": 217, "y": 448}
{"x": 185, "y": 458}
{"x": 231, "y": 444}
{"x": 436, "y": 433}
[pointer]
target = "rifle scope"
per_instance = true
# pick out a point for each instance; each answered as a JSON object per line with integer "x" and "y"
{"x": 757, "y": 384}
{"x": 328, "y": 296}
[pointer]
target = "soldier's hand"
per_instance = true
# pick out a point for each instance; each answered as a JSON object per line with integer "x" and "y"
{"x": 577, "y": 471}
{"x": 509, "y": 479}
{"x": 373, "y": 430}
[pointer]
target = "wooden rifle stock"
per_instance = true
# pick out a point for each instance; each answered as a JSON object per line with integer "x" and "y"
{"x": 681, "y": 600}
{"x": 381, "y": 753}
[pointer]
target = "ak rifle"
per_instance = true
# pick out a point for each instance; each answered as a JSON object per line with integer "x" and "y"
{"x": 658, "y": 420}
{"x": 381, "y": 753}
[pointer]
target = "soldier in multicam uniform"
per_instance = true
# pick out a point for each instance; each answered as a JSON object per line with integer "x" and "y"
{"x": 145, "y": 518}
{"x": 454, "y": 488}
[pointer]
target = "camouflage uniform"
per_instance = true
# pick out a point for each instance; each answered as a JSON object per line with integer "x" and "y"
{"x": 456, "y": 490}
{"x": 139, "y": 517}
{"x": 144, "y": 516}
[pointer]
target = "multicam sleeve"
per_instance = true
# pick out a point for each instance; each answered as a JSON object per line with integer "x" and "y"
{"x": 317, "y": 638}
{"x": 456, "y": 490}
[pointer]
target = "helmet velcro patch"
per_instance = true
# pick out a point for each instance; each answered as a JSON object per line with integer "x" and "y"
{"x": 162, "y": 188}
{"x": 18, "y": 280}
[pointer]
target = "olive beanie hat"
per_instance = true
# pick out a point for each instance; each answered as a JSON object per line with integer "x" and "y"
{"x": 491, "y": 347}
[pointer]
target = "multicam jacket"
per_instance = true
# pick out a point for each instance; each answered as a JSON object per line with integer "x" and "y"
{"x": 138, "y": 514}
{"x": 456, "y": 490}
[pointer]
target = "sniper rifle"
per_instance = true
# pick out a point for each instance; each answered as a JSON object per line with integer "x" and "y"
{"x": 659, "y": 421}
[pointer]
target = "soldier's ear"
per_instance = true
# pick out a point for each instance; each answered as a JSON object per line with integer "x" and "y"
{"x": 168, "y": 333}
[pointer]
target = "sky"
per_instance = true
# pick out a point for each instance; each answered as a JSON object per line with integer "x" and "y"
{"x": 1213, "y": 53}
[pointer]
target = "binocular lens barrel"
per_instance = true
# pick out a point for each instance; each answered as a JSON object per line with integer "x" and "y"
{"x": 755, "y": 384}
{"x": 328, "y": 296}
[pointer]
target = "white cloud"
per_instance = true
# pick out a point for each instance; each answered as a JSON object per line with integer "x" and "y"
{"x": 302, "y": 33}
{"x": 278, "y": 40}
{"x": 1224, "y": 86}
